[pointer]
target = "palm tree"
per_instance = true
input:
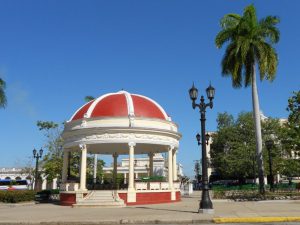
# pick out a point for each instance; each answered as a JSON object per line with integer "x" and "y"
{"x": 88, "y": 98}
{"x": 249, "y": 49}
{"x": 3, "y": 100}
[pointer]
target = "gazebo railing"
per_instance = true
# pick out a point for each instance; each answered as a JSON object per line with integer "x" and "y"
{"x": 69, "y": 187}
{"x": 152, "y": 185}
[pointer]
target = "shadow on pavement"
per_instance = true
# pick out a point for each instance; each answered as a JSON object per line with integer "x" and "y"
{"x": 170, "y": 210}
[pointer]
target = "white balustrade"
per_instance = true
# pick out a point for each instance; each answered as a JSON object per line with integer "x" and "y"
{"x": 141, "y": 185}
{"x": 154, "y": 185}
{"x": 176, "y": 185}
{"x": 64, "y": 187}
{"x": 69, "y": 187}
{"x": 164, "y": 185}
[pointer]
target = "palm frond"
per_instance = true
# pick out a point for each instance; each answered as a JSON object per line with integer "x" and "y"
{"x": 3, "y": 100}
{"x": 249, "y": 16}
{"x": 230, "y": 20}
{"x": 223, "y": 36}
{"x": 268, "y": 28}
{"x": 249, "y": 44}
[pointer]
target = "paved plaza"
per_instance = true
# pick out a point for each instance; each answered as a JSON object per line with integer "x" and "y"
{"x": 184, "y": 212}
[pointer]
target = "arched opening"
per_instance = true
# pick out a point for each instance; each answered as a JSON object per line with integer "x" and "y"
{"x": 18, "y": 178}
{"x": 7, "y": 178}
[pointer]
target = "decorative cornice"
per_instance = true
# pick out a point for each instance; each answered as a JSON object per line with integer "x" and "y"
{"x": 171, "y": 147}
{"x": 82, "y": 146}
{"x": 131, "y": 144}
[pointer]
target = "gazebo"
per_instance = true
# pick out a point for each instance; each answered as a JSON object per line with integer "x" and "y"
{"x": 121, "y": 124}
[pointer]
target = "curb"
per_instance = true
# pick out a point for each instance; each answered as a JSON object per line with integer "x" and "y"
{"x": 256, "y": 219}
{"x": 111, "y": 222}
{"x": 18, "y": 204}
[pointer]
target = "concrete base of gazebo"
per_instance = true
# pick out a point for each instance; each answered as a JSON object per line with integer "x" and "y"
{"x": 144, "y": 193}
{"x": 151, "y": 197}
{"x": 141, "y": 197}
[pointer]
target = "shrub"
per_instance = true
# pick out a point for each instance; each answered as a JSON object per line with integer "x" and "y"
{"x": 253, "y": 195}
{"x": 16, "y": 196}
{"x": 219, "y": 194}
{"x": 49, "y": 192}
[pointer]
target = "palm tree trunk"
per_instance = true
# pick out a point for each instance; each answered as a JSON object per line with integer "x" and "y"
{"x": 256, "y": 115}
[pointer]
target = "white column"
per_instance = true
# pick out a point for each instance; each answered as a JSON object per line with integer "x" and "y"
{"x": 125, "y": 177}
{"x": 95, "y": 168}
{"x": 44, "y": 184}
{"x": 83, "y": 167}
{"x": 54, "y": 183}
{"x": 151, "y": 164}
{"x": 131, "y": 195}
{"x": 65, "y": 166}
{"x": 131, "y": 166}
{"x": 175, "y": 178}
{"x": 115, "y": 172}
{"x": 170, "y": 167}
{"x": 170, "y": 172}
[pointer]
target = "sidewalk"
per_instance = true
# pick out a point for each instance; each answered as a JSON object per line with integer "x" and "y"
{"x": 181, "y": 212}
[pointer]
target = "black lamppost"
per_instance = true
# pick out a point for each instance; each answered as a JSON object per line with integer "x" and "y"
{"x": 269, "y": 144}
{"x": 37, "y": 155}
{"x": 205, "y": 203}
{"x": 198, "y": 137}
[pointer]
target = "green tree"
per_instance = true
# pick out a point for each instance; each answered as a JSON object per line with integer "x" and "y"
{"x": 292, "y": 126}
{"x": 224, "y": 120}
{"x": 3, "y": 100}
{"x": 233, "y": 148}
{"x": 294, "y": 109}
{"x": 272, "y": 129}
{"x": 249, "y": 47}
{"x": 88, "y": 98}
{"x": 53, "y": 159}
{"x": 290, "y": 138}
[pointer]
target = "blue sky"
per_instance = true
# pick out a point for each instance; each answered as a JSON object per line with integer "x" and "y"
{"x": 53, "y": 53}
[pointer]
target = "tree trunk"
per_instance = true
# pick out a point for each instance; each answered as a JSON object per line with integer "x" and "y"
{"x": 257, "y": 122}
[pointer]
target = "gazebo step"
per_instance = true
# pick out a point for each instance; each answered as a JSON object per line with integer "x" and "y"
{"x": 100, "y": 199}
{"x": 99, "y": 204}
{"x": 97, "y": 200}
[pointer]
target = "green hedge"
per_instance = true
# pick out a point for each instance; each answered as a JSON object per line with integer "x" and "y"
{"x": 49, "y": 192}
{"x": 249, "y": 187}
{"x": 245, "y": 187}
{"x": 253, "y": 195}
{"x": 16, "y": 196}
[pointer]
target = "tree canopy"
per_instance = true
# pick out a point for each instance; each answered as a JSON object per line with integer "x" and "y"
{"x": 3, "y": 100}
{"x": 52, "y": 160}
{"x": 233, "y": 152}
{"x": 249, "y": 42}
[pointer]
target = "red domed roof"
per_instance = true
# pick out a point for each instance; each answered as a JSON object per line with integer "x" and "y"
{"x": 121, "y": 104}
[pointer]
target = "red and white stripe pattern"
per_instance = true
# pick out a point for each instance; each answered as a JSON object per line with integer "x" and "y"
{"x": 121, "y": 104}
